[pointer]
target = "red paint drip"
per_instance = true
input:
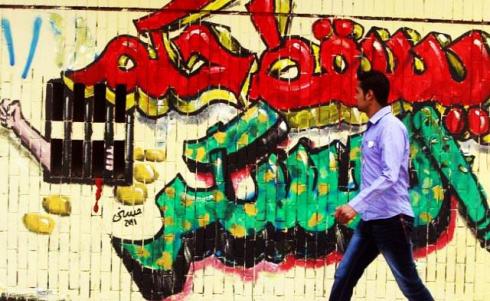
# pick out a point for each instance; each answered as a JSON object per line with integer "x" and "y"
{"x": 98, "y": 183}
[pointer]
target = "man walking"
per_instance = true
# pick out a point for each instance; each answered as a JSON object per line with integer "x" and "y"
{"x": 383, "y": 202}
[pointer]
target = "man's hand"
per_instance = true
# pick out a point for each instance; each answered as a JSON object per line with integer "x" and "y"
{"x": 345, "y": 214}
{"x": 10, "y": 113}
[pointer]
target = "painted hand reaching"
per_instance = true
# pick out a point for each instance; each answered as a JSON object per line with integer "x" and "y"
{"x": 11, "y": 117}
{"x": 10, "y": 113}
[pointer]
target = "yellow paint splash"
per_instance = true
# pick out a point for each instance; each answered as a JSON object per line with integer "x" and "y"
{"x": 238, "y": 231}
{"x": 323, "y": 189}
{"x": 204, "y": 220}
{"x": 165, "y": 261}
{"x": 142, "y": 252}
{"x": 250, "y": 209}
{"x": 315, "y": 219}
{"x": 438, "y": 192}
{"x": 220, "y": 137}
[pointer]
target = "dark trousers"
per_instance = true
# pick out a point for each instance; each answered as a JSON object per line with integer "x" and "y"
{"x": 390, "y": 237}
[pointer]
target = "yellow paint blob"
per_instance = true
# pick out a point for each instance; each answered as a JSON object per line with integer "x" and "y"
{"x": 38, "y": 223}
{"x": 438, "y": 192}
{"x": 186, "y": 200}
{"x": 250, "y": 209}
{"x": 165, "y": 261}
{"x": 323, "y": 189}
{"x": 144, "y": 173}
{"x": 57, "y": 204}
{"x": 425, "y": 217}
{"x": 168, "y": 221}
{"x": 155, "y": 155}
{"x": 238, "y": 231}
{"x": 187, "y": 225}
{"x": 142, "y": 252}
{"x": 132, "y": 195}
{"x": 169, "y": 238}
{"x": 218, "y": 196}
{"x": 243, "y": 140}
{"x": 298, "y": 188}
{"x": 269, "y": 176}
{"x": 315, "y": 219}
{"x": 201, "y": 153}
{"x": 203, "y": 220}
{"x": 170, "y": 192}
{"x": 139, "y": 154}
{"x": 220, "y": 137}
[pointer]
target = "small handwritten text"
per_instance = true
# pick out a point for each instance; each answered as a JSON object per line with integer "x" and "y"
{"x": 127, "y": 216}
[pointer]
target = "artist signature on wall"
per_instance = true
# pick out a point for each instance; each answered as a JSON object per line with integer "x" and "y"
{"x": 127, "y": 216}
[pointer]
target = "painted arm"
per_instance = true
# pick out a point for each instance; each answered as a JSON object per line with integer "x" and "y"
{"x": 11, "y": 117}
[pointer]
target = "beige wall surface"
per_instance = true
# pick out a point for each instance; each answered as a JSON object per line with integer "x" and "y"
{"x": 217, "y": 207}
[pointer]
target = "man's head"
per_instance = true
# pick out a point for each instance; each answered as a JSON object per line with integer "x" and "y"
{"x": 372, "y": 91}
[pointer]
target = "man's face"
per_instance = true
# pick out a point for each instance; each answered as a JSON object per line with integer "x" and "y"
{"x": 362, "y": 102}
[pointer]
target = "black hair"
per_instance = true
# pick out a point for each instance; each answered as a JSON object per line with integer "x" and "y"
{"x": 378, "y": 83}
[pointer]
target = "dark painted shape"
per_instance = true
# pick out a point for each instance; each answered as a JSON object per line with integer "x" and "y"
{"x": 99, "y": 103}
{"x": 120, "y": 110}
{"x": 56, "y": 155}
{"x": 79, "y": 103}
{"x": 87, "y": 143}
{"x": 119, "y": 159}
{"x": 67, "y": 131}
{"x": 98, "y": 159}
{"x": 77, "y": 158}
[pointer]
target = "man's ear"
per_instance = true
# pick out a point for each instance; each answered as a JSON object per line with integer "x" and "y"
{"x": 369, "y": 95}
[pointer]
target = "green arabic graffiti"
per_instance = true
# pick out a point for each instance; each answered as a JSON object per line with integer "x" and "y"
{"x": 303, "y": 187}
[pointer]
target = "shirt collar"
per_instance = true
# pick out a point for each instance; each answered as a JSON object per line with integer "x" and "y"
{"x": 380, "y": 114}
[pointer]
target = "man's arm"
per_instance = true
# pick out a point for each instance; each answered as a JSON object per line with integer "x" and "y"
{"x": 11, "y": 117}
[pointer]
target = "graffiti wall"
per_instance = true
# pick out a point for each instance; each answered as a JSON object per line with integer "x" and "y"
{"x": 197, "y": 150}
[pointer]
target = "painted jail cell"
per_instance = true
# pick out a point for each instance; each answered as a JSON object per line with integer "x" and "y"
{"x": 81, "y": 159}
{"x": 195, "y": 150}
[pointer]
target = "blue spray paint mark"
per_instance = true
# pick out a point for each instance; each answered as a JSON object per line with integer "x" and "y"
{"x": 7, "y": 32}
{"x": 35, "y": 39}
{"x": 54, "y": 28}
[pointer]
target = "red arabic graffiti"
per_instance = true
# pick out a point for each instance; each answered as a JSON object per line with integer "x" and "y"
{"x": 157, "y": 76}
{"x": 262, "y": 15}
{"x": 169, "y": 14}
{"x": 309, "y": 88}
{"x": 450, "y": 73}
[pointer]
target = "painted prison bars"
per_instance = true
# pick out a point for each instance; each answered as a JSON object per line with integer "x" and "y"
{"x": 82, "y": 128}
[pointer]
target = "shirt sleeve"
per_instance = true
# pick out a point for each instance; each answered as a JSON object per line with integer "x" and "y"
{"x": 393, "y": 142}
